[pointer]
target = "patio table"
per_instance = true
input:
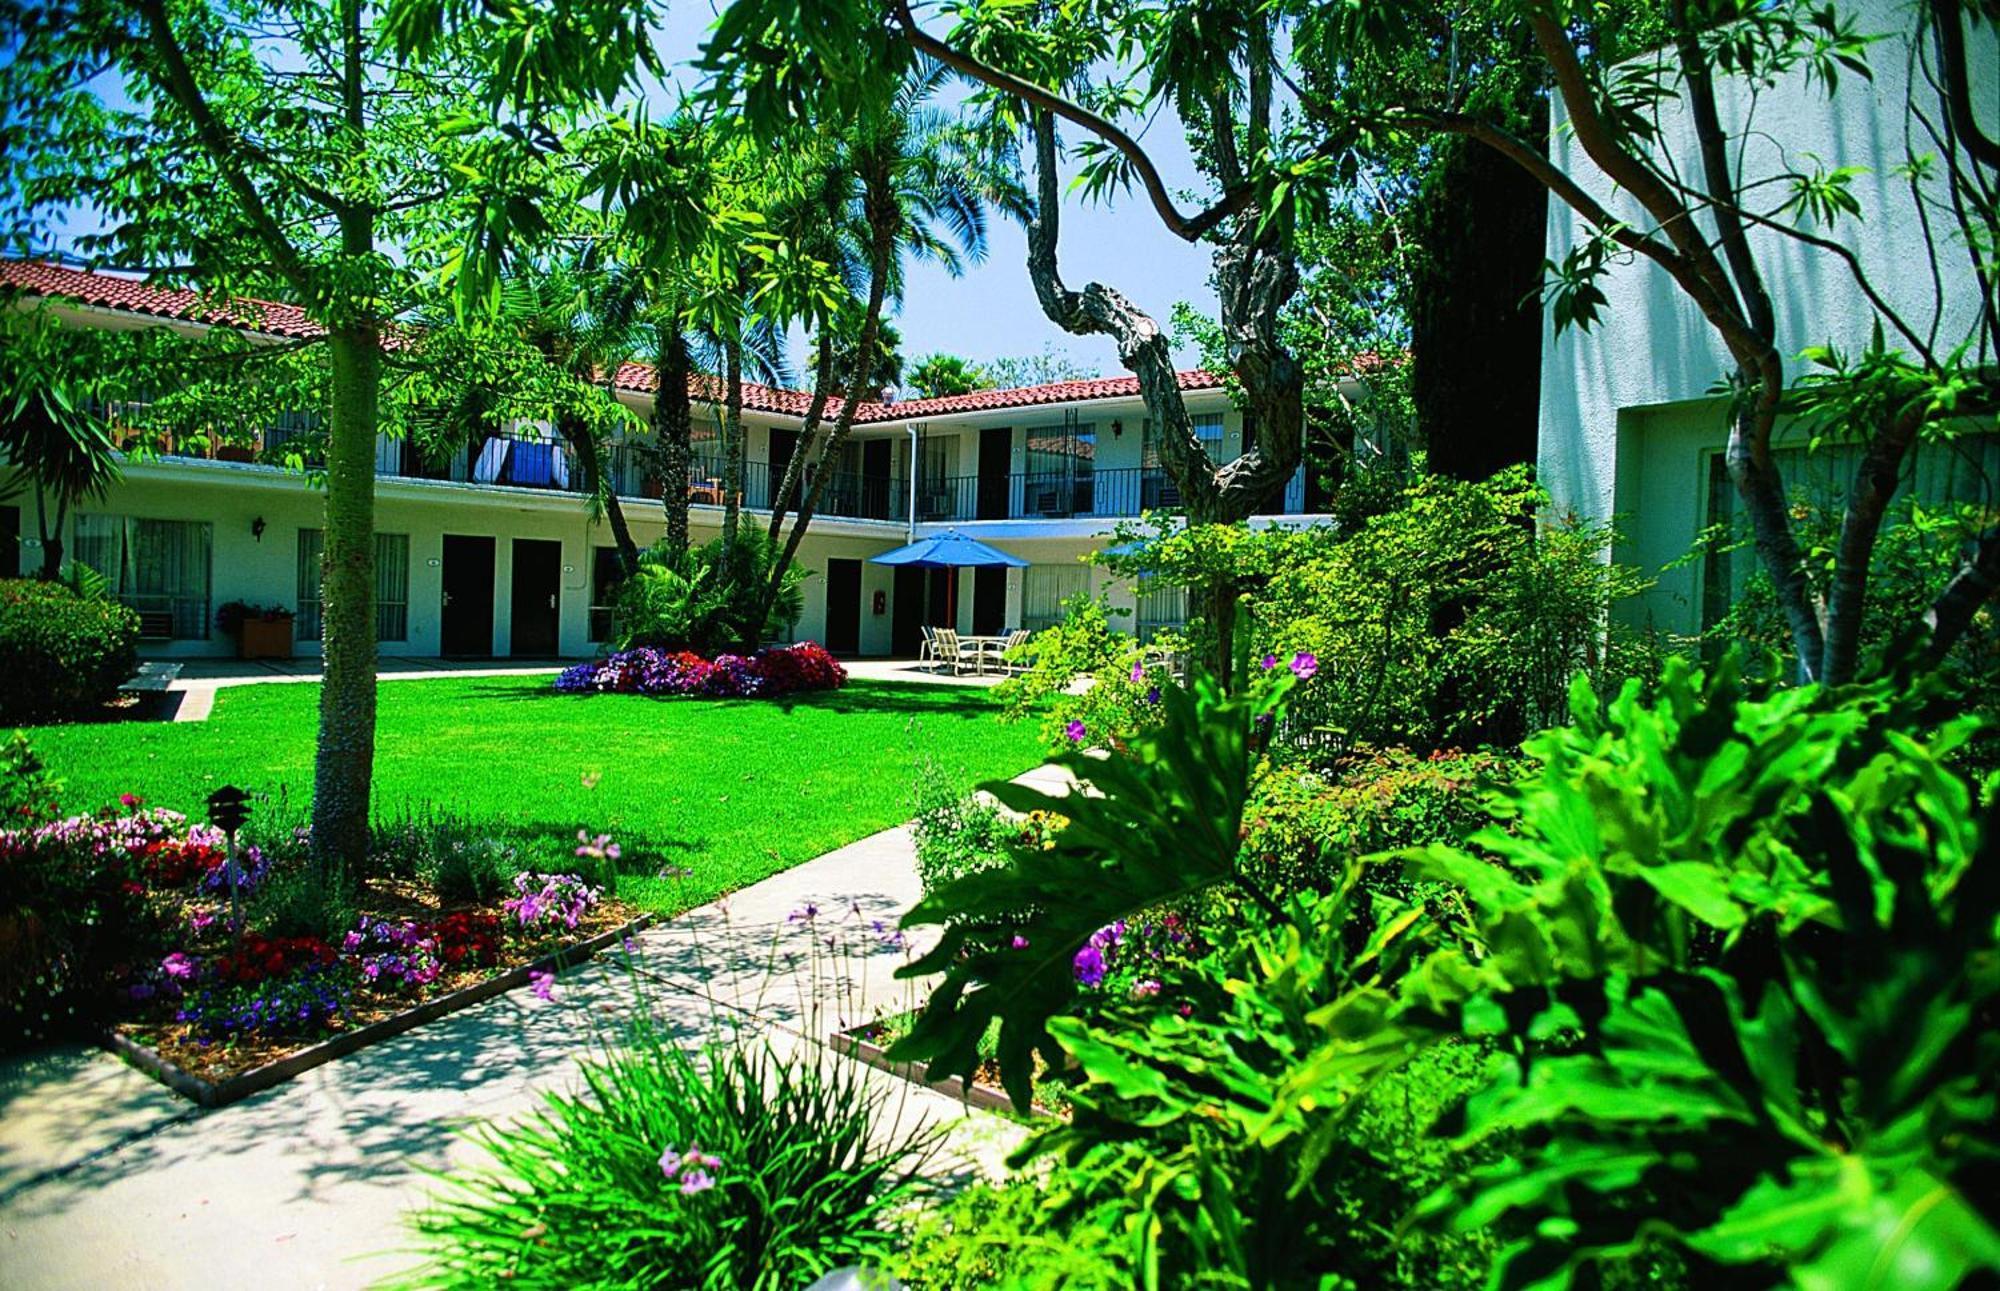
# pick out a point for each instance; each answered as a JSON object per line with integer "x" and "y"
{"x": 984, "y": 648}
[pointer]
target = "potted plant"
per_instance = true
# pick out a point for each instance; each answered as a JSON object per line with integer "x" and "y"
{"x": 261, "y": 631}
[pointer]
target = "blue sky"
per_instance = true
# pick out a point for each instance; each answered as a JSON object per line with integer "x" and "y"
{"x": 991, "y": 311}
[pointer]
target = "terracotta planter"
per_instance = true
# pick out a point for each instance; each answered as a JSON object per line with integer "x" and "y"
{"x": 265, "y": 639}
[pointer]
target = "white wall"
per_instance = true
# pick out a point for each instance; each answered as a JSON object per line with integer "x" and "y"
{"x": 1602, "y": 456}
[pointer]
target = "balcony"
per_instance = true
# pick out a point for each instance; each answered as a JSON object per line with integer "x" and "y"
{"x": 1041, "y": 495}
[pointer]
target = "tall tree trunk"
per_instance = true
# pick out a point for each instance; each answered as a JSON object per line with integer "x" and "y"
{"x": 1256, "y": 274}
{"x": 52, "y": 535}
{"x": 584, "y": 447}
{"x": 882, "y": 248}
{"x": 346, "y": 753}
{"x": 673, "y": 418}
{"x": 732, "y": 438}
{"x": 802, "y": 456}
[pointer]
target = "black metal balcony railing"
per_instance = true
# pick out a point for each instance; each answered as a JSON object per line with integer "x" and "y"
{"x": 546, "y": 464}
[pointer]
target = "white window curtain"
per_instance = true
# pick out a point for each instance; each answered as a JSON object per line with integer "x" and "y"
{"x": 1044, "y": 588}
{"x": 158, "y": 567}
{"x": 492, "y": 460}
{"x": 392, "y": 586}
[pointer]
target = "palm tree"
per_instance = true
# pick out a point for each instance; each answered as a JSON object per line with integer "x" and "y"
{"x": 912, "y": 183}
{"x": 49, "y": 434}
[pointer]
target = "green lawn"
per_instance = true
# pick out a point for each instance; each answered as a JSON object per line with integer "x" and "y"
{"x": 731, "y": 790}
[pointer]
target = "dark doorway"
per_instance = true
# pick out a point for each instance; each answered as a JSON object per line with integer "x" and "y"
{"x": 843, "y": 606}
{"x": 942, "y": 608}
{"x": 784, "y": 443}
{"x": 10, "y": 541}
{"x": 876, "y": 483}
{"x": 537, "y": 605}
{"x": 465, "y": 625}
{"x": 906, "y": 635}
{"x": 989, "y": 600}
{"x": 996, "y": 455}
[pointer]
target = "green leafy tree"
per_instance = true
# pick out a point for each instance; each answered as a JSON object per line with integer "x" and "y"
{"x": 1389, "y": 70}
{"x": 933, "y": 376}
{"x": 274, "y": 150}
{"x": 1048, "y": 367}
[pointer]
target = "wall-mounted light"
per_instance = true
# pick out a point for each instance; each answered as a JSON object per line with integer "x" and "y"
{"x": 257, "y": 528}
{"x": 1117, "y": 428}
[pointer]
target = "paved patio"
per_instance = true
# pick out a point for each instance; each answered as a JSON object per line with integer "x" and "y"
{"x": 106, "y": 1179}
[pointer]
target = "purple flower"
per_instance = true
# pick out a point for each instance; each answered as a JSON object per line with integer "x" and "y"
{"x": 1270, "y": 662}
{"x": 670, "y": 1163}
{"x": 541, "y": 984}
{"x": 1075, "y": 731}
{"x": 1153, "y": 695}
{"x": 697, "y": 1181}
{"x": 178, "y": 967}
{"x": 806, "y": 915}
{"x": 1304, "y": 664}
{"x": 1089, "y": 966}
{"x": 1020, "y": 942}
{"x": 1138, "y": 673}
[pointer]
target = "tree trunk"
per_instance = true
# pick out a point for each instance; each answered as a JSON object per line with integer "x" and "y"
{"x": 795, "y": 469}
{"x": 346, "y": 753}
{"x": 673, "y": 418}
{"x": 583, "y": 445}
{"x": 1256, "y": 274}
{"x": 732, "y": 438}
{"x": 52, "y": 536}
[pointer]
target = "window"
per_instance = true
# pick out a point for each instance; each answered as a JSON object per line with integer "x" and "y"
{"x": 1061, "y": 467}
{"x": 1208, "y": 427}
{"x": 605, "y": 577}
{"x": 1963, "y": 470}
{"x": 158, "y": 567}
{"x": 1161, "y": 606}
{"x": 1044, "y": 588}
{"x": 392, "y": 586}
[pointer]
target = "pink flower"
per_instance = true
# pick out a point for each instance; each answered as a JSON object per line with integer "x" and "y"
{"x": 1138, "y": 673}
{"x": 542, "y": 985}
{"x": 129, "y": 800}
{"x": 1304, "y": 664}
{"x": 1075, "y": 731}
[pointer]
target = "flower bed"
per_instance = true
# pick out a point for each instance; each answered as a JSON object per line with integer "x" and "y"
{"x": 129, "y": 911}
{"x": 777, "y": 670}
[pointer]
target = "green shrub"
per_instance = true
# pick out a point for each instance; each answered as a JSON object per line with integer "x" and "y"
{"x": 1772, "y": 916}
{"x": 300, "y": 899}
{"x": 1302, "y": 826}
{"x": 1009, "y": 1235}
{"x": 29, "y": 795}
{"x": 705, "y": 599}
{"x": 803, "y": 1164}
{"x": 64, "y": 652}
{"x": 956, "y": 832}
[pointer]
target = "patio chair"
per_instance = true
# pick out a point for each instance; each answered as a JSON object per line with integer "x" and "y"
{"x": 952, "y": 651}
{"x": 1018, "y": 636}
{"x": 927, "y": 651}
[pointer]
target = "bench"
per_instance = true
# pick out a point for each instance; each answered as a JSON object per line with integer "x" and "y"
{"x": 152, "y": 679}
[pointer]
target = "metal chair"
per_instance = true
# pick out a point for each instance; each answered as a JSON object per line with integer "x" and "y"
{"x": 927, "y": 651}
{"x": 952, "y": 651}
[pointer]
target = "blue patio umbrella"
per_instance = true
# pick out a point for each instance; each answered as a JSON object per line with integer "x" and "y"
{"x": 949, "y": 550}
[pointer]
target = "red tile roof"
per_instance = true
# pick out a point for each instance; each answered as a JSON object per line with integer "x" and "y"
{"x": 128, "y": 295}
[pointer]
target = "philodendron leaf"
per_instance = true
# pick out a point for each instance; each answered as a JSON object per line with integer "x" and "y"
{"x": 1156, "y": 823}
{"x": 1845, "y": 1223}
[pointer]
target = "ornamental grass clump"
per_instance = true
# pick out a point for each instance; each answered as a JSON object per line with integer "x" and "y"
{"x": 726, "y": 1168}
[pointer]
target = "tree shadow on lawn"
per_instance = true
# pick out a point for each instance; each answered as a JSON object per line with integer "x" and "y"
{"x": 855, "y": 697}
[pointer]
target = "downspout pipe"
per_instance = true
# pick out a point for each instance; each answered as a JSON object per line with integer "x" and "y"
{"x": 916, "y": 431}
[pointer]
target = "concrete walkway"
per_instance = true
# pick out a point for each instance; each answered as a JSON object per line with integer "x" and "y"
{"x": 107, "y": 1180}
{"x": 192, "y": 694}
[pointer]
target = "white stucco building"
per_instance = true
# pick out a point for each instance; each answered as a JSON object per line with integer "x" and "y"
{"x": 1630, "y": 428}
{"x": 491, "y": 553}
